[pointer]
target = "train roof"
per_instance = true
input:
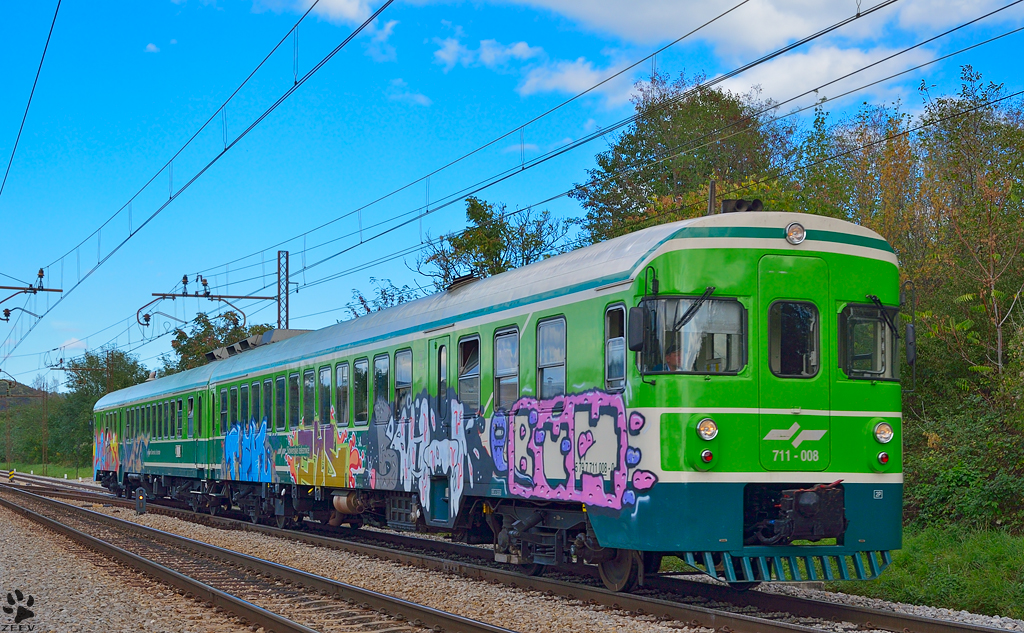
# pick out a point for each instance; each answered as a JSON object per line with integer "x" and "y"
{"x": 607, "y": 263}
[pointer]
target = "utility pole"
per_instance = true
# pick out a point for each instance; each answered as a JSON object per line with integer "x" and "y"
{"x": 282, "y": 290}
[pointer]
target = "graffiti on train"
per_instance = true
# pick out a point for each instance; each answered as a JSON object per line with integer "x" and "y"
{"x": 325, "y": 455}
{"x": 248, "y": 453}
{"x": 135, "y": 452}
{"x": 105, "y": 450}
{"x": 572, "y": 448}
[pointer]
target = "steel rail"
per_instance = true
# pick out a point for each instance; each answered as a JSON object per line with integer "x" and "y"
{"x": 366, "y": 598}
{"x": 866, "y": 617}
{"x": 268, "y": 620}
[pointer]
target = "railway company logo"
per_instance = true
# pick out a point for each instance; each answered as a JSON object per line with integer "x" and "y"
{"x": 17, "y": 604}
{"x": 803, "y": 436}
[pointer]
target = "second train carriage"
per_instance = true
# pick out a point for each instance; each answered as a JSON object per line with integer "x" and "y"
{"x": 725, "y": 389}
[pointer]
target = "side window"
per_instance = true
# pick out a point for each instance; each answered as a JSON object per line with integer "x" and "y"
{"x": 341, "y": 394}
{"x": 403, "y": 383}
{"x": 615, "y": 348}
{"x": 223, "y": 411}
{"x": 551, "y": 358}
{"x": 308, "y": 396}
{"x": 280, "y": 391}
{"x": 234, "y": 405}
{"x": 268, "y": 403}
{"x": 181, "y": 416}
{"x": 469, "y": 376}
{"x": 191, "y": 417}
{"x": 293, "y": 401}
{"x": 442, "y": 382}
{"x": 168, "y": 419}
{"x": 325, "y": 395}
{"x": 244, "y": 410}
{"x": 361, "y": 391}
{"x": 199, "y": 417}
{"x": 793, "y": 339}
{"x": 256, "y": 402}
{"x": 506, "y": 369}
{"x": 381, "y": 383}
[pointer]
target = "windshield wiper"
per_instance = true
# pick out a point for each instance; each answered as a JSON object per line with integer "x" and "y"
{"x": 692, "y": 310}
{"x": 885, "y": 315}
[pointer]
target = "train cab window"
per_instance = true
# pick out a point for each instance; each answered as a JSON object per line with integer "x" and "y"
{"x": 403, "y": 383}
{"x": 469, "y": 376}
{"x": 223, "y": 411}
{"x": 688, "y": 335}
{"x": 279, "y": 408}
{"x": 341, "y": 394}
{"x": 293, "y": 401}
{"x": 868, "y": 348}
{"x": 181, "y": 419}
{"x": 361, "y": 391}
{"x": 268, "y": 403}
{"x": 308, "y": 396}
{"x": 233, "y": 397}
{"x": 255, "y": 391}
{"x": 381, "y": 386}
{"x": 191, "y": 417}
{"x": 551, "y": 358}
{"x": 442, "y": 382}
{"x": 793, "y": 350}
{"x": 325, "y": 395}
{"x": 244, "y": 404}
{"x": 506, "y": 368}
{"x": 615, "y": 348}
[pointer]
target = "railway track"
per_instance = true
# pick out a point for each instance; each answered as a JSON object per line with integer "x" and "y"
{"x": 662, "y": 594}
{"x": 278, "y": 598}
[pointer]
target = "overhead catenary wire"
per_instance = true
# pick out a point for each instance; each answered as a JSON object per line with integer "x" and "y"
{"x": 316, "y": 282}
{"x": 302, "y": 80}
{"x": 28, "y": 105}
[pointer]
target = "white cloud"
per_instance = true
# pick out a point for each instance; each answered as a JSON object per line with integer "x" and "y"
{"x": 151, "y": 48}
{"x": 788, "y": 76}
{"x": 515, "y": 149}
{"x": 347, "y": 11}
{"x": 74, "y": 343}
{"x": 378, "y": 48}
{"x": 174, "y": 41}
{"x": 452, "y": 53}
{"x": 492, "y": 53}
{"x": 573, "y": 77}
{"x": 399, "y": 91}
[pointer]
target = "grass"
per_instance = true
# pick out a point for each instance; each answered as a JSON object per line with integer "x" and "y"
{"x": 52, "y": 470}
{"x": 976, "y": 571}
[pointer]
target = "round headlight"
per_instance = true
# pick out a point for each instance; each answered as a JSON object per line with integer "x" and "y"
{"x": 707, "y": 429}
{"x": 883, "y": 432}
{"x": 795, "y": 233}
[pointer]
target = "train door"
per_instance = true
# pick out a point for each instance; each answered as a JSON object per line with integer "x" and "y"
{"x": 794, "y": 363}
{"x": 437, "y": 387}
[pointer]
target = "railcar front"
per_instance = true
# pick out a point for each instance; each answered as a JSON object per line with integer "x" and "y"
{"x": 766, "y": 356}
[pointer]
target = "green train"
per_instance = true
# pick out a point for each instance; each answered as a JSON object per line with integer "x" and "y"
{"x": 723, "y": 389}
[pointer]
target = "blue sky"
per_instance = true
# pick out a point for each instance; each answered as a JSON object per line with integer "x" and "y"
{"x": 125, "y": 84}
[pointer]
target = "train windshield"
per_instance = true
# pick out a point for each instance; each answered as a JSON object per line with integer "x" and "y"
{"x": 868, "y": 347}
{"x": 713, "y": 341}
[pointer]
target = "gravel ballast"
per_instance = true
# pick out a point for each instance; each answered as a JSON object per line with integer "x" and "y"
{"x": 508, "y": 607}
{"x": 73, "y": 589}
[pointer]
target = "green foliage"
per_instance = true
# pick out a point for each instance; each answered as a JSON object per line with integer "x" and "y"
{"x": 494, "y": 241}
{"x": 204, "y": 335}
{"x": 386, "y": 296}
{"x": 979, "y": 571}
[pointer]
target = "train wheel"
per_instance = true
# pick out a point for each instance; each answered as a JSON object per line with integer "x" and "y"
{"x": 532, "y": 569}
{"x": 652, "y": 562}
{"x": 214, "y": 506}
{"x": 621, "y": 573}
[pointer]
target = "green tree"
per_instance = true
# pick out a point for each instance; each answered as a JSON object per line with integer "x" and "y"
{"x": 685, "y": 135}
{"x": 205, "y": 334}
{"x": 496, "y": 240}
